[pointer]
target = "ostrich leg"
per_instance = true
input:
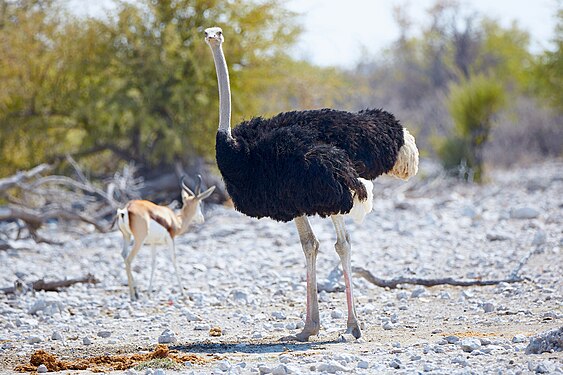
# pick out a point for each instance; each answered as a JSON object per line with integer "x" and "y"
{"x": 310, "y": 249}
{"x": 343, "y": 249}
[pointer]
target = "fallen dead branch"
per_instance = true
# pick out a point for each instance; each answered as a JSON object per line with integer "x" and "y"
{"x": 514, "y": 277}
{"x": 393, "y": 283}
{"x": 12, "y": 181}
{"x": 35, "y": 198}
{"x": 48, "y": 286}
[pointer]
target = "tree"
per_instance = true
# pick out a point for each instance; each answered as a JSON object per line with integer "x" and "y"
{"x": 547, "y": 70}
{"x": 136, "y": 85}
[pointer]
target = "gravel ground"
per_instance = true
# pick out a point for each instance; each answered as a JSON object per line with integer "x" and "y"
{"x": 247, "y": 277}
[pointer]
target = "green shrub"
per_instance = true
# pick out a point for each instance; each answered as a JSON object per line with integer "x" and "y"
{"x": 472, "y": 104}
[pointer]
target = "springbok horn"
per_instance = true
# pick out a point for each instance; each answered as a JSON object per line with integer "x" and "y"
{"x": 185, "y": 187}
{"x": 198, "y": 186}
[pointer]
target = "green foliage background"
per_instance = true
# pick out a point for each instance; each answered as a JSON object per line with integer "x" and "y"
{"x": 139, "y": 84}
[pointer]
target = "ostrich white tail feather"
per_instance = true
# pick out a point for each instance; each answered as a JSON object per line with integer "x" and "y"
{"x": 406, "y": 165}
{"x": 361, "y": 208}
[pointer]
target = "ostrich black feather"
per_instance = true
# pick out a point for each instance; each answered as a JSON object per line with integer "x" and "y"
{"x": 306, "y": 162}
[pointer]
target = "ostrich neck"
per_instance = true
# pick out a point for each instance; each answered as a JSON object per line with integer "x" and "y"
{"x": 224, "y": 91}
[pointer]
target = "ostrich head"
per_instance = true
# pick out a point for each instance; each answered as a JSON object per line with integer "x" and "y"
{"x": 214, "y": 36}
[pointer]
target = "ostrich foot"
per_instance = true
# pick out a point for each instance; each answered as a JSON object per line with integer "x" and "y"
{"x": 354, "y": 330}
{"x": 302, "y": 336}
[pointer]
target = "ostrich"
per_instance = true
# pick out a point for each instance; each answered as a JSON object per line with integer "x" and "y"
{"x": 303, "y": 163}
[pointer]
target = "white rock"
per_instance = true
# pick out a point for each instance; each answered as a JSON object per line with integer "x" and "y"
{"x": 224, "y": 365}
{"x": 363, "y": 364}
{"x": 56, "y": 335}
{"x": 451, "y": 339}
{"x": 524, "y": 213}
{"x": 444, "y": 295}
{"x": 190, "y": 316}
{"x": 336, "y": 314}
{"x": 539, "y": 238}
{"x": 104, "y": 334}
{"x": 34, "y": 340}
{"x": 331, "y": 367}
{"x": 41, "y": 369}
{"x": 488, "y": 307}
{"x": 159, "y": 371}
{"x": 280, "y": 315}
{"x": 519, "y": 339}
{"x": 469, "y": 345}
{"x": 167, "y": 337}
{"x": 280, "y": 369}
{"x": 417, "y": 292}
{"x": 388, "y": 325}
{"x": 291, "y": 326}
{"x": 131, "y": 372}
{"x": 202, "y": 327}
{"x": 86, "y": 340}
{"x": 395, "y": 363}
{"x": 460, "y": 360}
{"x": 402, "y": 295}
{"x": 485, "y": 341}
{"x": 240, "y": 296}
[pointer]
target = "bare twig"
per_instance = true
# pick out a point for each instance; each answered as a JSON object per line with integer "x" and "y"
{"x": 524, "y": 260}
{"x": 77, "y": 169}
{"x": 52, "y": 286}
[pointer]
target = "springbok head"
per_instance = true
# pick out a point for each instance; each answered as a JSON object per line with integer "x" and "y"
{"x": 192, "y": 201}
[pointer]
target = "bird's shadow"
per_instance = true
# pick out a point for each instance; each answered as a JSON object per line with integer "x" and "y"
{"x": 209, "y": 347}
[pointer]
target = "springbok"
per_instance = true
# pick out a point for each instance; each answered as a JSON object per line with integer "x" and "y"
{"x": 152, "y": 224}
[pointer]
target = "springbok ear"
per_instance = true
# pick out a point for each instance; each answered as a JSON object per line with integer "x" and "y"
{"x": 206, "y": 193}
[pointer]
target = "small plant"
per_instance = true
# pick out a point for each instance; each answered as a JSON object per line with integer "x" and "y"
{"x": 472, "y": 105}
{"x": 164, "y": 363}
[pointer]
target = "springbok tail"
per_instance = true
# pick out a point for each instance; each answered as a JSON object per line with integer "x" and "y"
{"x": 362, "y": 207}
{"x": 406, "y": 165}
{"x": 123, "y": 221}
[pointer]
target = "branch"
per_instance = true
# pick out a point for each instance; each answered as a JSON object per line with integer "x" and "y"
{"x": 51, "y": 286}
{"x": 85, "y": 186}
{"x": 9, "y": 182}
{"x": 513, "y": 277}
{"x": 35, "y": 219}
{"x": 525, "y": 259}
{"x": 393, "y": 283}
{"x": 77, "y": 169}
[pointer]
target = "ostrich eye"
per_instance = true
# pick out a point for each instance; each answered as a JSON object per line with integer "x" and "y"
{"x": 206, "y": 33}
{"x": 219, "y": 33}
